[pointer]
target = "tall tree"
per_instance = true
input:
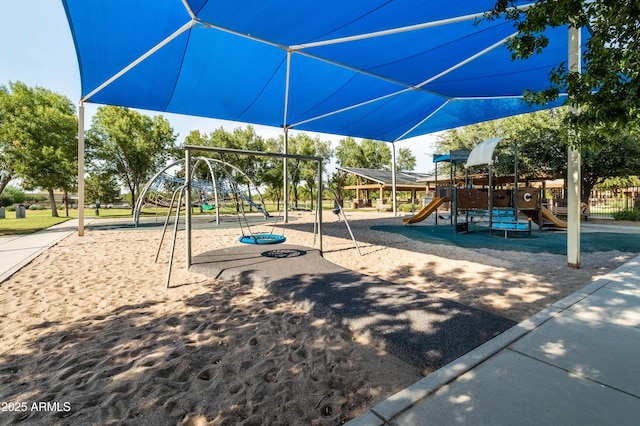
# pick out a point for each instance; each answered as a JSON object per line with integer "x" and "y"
{"x": 124, "y": 143}
{"x": 406, "y": 161}
{"x": 243, "y": 139}
{"x": 103, "y": 187}
{"x": 38, "y": 136}
{"x": 367, "y": 154}
{"x": 273, "y": 175}
{"x": 306, "y": 171}
{"x": 607, "y": 89}
{"x": 9, "y": 131}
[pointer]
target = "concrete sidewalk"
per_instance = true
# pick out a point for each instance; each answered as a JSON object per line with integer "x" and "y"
{"x": 574, "y": 363}
{"x": 17, "y": 251}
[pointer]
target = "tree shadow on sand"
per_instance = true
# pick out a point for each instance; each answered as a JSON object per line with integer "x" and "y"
{"x": 227, "y": 356}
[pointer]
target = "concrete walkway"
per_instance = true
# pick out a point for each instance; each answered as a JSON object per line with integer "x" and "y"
{"x": 16, "y": 251}
{"x": 574, "y": 363}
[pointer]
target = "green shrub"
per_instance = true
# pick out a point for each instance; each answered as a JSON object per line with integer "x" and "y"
{"x": 627, "y": 214}
{"x": 408, "y": 208}
{"x": 15, "y": 194}
{"x": 11, "y": 209}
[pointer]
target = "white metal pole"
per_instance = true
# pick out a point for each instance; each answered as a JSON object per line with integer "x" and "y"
{"x": 285, "y": 179}
{"x": 393, "y": 179}
{"x": 319, "y": 204}
{"x": 81, "y": 169}
{"x": 187, "y": 202}
{"x": 574, "y": 178}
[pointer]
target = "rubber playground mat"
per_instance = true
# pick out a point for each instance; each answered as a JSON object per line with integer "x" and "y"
{"x": 554, "y": 242}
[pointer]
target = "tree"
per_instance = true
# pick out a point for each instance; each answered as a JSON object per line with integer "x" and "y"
{"x": 619, "y": 157}
{"x": 103, "y": 187}
{"x": 306, "y": 171}
{"x": 12, "y": 195}
{"x": 128, "y": 145}
{"x": 367, "y": 154}
{"x": 8, "y": 131}
{"x": 274, "y": 173}
{"x": 244, "y": 139}
{"x": 38, "y": 139}
{"x": 377, "y": 155}
{"x": 607, "y": 91}
{"x": 406, "y": 161}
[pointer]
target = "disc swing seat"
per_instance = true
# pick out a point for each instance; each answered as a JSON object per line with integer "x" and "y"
{"x": 260, "y": 238}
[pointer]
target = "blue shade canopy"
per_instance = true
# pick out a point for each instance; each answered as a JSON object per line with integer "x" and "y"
{"x": 377, "y": 69}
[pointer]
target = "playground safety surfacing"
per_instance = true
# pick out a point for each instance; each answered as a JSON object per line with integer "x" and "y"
{"x": 554, "y": 242}
{"x": 427, "y": 332}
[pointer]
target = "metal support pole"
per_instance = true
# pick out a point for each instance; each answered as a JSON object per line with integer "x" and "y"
{"x": 515, "y": 180}
{"x": 175, "y": 235}
{"x": 285, "y": 179}
{"x": 393, "y": 179}
{"x": 187, "y": 202}
{"x": 81, "y": 169}
{"x": 319, "y": 204}
{"x": 435, "y": 192}
{"x": 490, "y": 197}
{"x": 166, "y": 222}
{"x": 574, "y": 178}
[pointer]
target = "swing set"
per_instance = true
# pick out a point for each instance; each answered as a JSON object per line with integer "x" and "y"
{"x": 184, "y": 191}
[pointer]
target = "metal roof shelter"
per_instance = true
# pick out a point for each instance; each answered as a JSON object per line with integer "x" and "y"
{"x": 377, "y": 69}
{"x": 383, "y": 180}
{"x": 385, "y": 177}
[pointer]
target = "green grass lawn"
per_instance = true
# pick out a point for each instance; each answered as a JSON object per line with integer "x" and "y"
{"x": 36, "y": 220}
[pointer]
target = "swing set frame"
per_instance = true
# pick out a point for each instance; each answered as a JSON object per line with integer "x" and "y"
{"x": 188, "y": 149}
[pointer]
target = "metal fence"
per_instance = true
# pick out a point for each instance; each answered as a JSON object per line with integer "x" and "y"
{"x": 602, "y": 207}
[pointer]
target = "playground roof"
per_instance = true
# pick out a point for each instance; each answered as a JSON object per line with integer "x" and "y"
{"x": 483, "y": 152}
{"x": 377, "y": 69}
{"x": 385, "y": 177}
{"x": 455, "y": 156}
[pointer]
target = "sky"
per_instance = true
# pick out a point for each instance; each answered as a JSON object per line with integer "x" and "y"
{"x": 37, "y": 49}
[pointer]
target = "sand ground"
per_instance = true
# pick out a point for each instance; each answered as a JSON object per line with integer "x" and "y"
{"x": 91, "y": 336}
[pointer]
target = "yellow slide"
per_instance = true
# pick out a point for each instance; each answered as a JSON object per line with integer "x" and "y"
{"x": 553, "y": 218}
{"x": 426, "y": 211}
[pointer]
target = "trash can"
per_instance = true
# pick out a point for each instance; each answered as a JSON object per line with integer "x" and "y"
{"x": 2, "y": 213}
{"x": 20, "y": 212}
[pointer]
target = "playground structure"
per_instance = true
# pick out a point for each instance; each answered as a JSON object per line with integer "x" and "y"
{"x": 190, "y": 185}
{"x": 426, "y": 210}
{"x": 476, "y": 201}
{"x": 220, "y": 187}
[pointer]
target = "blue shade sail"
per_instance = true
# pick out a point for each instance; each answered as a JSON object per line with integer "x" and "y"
{"x": 377, "y": 69}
